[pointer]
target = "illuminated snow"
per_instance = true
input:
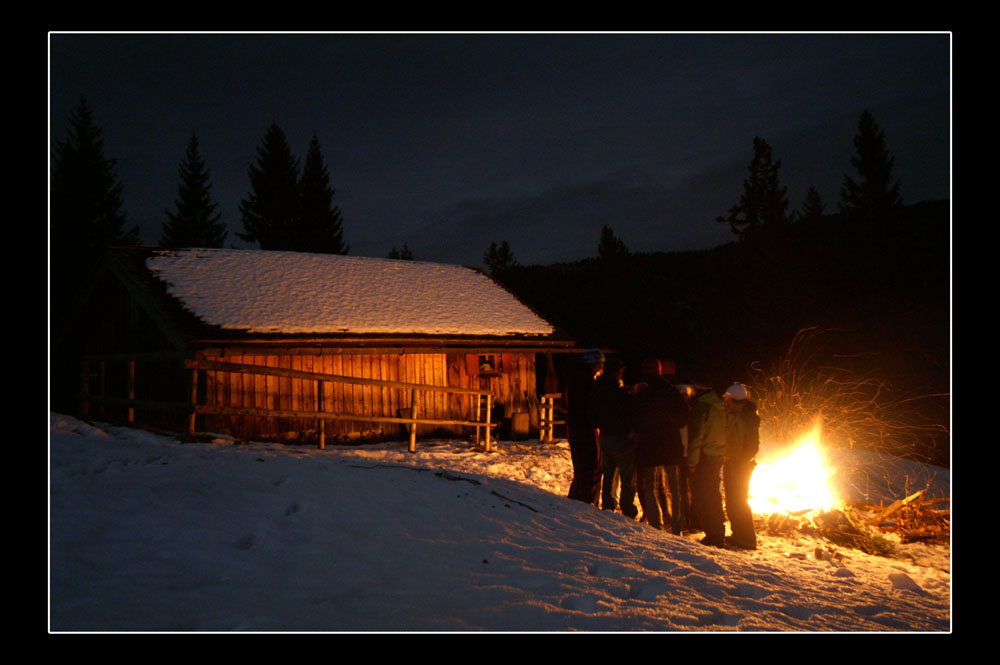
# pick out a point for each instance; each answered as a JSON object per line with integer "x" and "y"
{"x": 291, "y": 292}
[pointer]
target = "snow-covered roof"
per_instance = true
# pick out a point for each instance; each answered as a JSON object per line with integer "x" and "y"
{"x": 295, "y": 293}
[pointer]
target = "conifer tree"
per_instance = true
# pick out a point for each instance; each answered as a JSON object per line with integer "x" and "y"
{"x": 86, "y": 203}
{"x": 195, "y": 224}
{"x": 321, "y": 223}
{"x": 271, "y": 210}
{"x": 403, "y": 254}
{"x": 875, "y": 195}
{"x": 812, "y": 205}
{"x": 499, "y": 259}
{"x": 764, "y": 202}
{"x": 85, "y": 213}
{"x": 611, "y": 247}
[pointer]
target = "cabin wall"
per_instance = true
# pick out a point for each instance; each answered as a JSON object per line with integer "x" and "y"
{"x": 114, "y": 323}
{"x": 513, "y": 386}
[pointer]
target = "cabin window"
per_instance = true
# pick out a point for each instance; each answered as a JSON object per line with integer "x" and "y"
{"x": 490, "y": 363}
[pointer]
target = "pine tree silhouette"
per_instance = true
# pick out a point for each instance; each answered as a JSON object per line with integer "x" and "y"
{"x": 195, "y": 224}
{"x": 321, "y": 223}
{"x": 610, "y": 247}
{"x": 85, "y": 213}
{"x": 499, "y": 259}
{"x": 403, "y": 254}
{"x": 86, "y": 204}
{"x": 875, "y": 196}
{"x": 271, "y": 210}
{"x": 764, "y": 202}
{"x": 812, "y": 206}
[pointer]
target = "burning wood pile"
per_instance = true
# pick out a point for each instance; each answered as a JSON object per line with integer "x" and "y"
{"x": 863, "y": 527}
{"x": 792, "y": 494}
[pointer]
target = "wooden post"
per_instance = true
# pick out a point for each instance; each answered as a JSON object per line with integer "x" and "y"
{"x": 543, "y": 423}
{"x": 413, "y": 416}
{"x": 85, "y": 388}
{"x": 551, "y": 419}
{"x": 102, "y": 386}
{"x": 322, "y": 422}
{"x": 131, "y": 390}
{"x": 194, "y": 400}
{"x": 476, "y": 401}
{"x": 489, "y": 410}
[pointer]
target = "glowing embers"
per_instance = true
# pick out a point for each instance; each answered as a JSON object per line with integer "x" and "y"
{"x": 795, "y": 480}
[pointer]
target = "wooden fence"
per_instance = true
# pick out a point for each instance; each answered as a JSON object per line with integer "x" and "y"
{"x": 96, "y": 367}
{"x": 547, "y": 418}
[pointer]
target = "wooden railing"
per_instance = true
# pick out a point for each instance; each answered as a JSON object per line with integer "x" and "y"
{"x": 483, "y": 400}
{"x": 547, "y": 416}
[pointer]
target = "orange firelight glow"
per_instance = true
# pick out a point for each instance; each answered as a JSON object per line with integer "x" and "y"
{"x": 794, "y": 481}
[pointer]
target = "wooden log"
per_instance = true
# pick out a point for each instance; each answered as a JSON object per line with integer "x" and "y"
{"x": 896, "y": 506}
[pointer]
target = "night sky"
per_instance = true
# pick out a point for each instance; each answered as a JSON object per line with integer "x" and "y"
{"x": 446, "y": 142}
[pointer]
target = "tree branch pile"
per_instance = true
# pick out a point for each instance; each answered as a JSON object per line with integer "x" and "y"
{"x": 914, "y": 518}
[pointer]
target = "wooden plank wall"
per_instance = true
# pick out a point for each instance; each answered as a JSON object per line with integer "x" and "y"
{"x": 514, "y": 388}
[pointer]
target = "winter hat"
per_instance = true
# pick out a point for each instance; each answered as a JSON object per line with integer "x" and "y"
{"x": 736, "y": 391}
{"x": 593, "y": 356}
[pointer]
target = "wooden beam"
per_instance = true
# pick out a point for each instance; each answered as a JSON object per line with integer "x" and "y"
{"x": 294, "y": 413}
{"x": 299, "y": 374}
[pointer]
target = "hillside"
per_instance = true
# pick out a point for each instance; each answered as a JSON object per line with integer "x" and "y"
{"x": 883, "y": 294}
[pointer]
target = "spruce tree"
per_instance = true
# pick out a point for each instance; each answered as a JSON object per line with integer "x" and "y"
{"x": 764, "y": 202}
{"x": 499, "y": 259}
{"x": 271, "y": 210}
{"x": 611, "y": 247}
{"x": 86, "y": 195}
{"x": 812, "y": 206}
{"x": 402, "y": 254}
{"x": 321, "y": 224}
{"x": 85, "y": 212}
{"x": 195, "y": 224}
{"x": 875, "y": 196}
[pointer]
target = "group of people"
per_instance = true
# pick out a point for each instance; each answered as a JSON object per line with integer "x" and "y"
{"x": 666, "y": 445}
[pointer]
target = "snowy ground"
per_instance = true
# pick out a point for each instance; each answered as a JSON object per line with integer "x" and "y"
{"x": 149, "y": 534}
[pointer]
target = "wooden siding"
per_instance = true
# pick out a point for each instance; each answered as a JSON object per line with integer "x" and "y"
{"x": 513, "y": 387}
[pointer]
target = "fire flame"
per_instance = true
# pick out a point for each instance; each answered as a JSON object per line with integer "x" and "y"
{"x": 795, "y": 481}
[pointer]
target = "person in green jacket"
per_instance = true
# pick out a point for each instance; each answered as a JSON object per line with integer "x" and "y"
{"x": 742, "y": 442}
{"x": 706, "y": 453}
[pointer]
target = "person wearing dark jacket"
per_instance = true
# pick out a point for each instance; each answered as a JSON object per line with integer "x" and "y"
{"x": 742, "y": 442}
{"x": 581, "y": 429}
{"x": 660, "y": 413}
{"x": 612, "y": 411}
{"x": 706, "y": 453}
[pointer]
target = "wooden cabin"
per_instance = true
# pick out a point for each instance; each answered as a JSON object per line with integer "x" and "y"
{"x": 287, "y": 345}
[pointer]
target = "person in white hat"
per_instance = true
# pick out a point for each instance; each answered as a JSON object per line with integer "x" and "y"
{"x": 742, "y": 442}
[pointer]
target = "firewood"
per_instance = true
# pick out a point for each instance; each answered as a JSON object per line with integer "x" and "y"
{"x": 896, "y": 506}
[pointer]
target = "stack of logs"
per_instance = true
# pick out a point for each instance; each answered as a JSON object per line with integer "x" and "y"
{"x": 913, "y": 519}
{"x": 916, "y": 519}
